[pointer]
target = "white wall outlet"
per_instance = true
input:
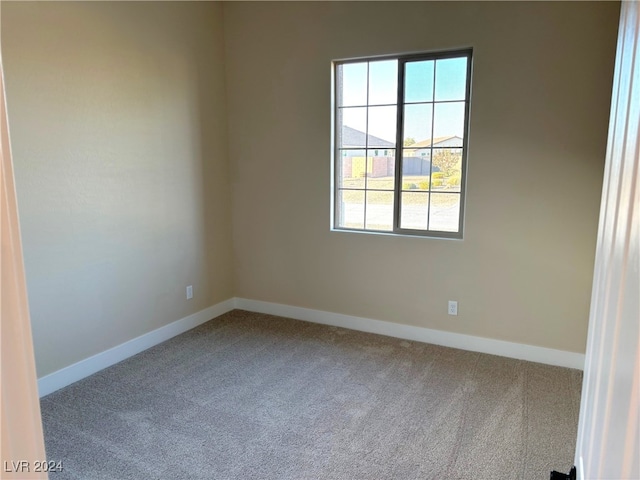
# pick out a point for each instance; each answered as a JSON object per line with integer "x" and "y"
{"x": 189, "y": 292}
{"x": 453, "y": 307}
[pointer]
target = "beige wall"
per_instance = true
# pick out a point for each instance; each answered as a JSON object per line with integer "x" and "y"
{"x": 540, "y": 106}
{"x": 118, "y": 122}
{"x": 118, "y": 114}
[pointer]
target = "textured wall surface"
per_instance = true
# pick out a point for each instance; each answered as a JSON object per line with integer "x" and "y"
{"x": 130, "y": 185}
{"x": 118, "y": 122}
{"x": 540, "y": 104}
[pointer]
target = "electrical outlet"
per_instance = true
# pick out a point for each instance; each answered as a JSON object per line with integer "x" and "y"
{"x": 453, "y": 307}
{"x": 189, "y": 292}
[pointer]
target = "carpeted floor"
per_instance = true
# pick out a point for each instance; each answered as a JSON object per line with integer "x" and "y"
{"x": 251, "y": 396}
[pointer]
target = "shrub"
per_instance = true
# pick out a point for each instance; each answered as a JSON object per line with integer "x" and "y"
{"x": 453, "y": 181}
{"x": 409, "y": 186}
{"x": 424, "y": 184}
{"x": 439, "y": 175}
{"x": 437, "y": 182}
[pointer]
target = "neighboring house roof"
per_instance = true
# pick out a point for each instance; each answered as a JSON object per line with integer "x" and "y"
{"x": 436, "y": 141}
{"x": 355, "y": 138}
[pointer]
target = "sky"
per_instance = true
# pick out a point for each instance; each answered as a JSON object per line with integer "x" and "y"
{"x": 379, "y": 80}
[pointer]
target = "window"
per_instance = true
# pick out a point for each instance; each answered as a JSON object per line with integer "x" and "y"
{"x": 401, "y": 143}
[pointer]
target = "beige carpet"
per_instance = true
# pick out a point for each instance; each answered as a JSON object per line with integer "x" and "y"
{"x": 250, "y": 396}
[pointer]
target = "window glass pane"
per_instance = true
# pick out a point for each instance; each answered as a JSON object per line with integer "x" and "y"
{"x": 351, "y": 208}
{"x": 417, "y": 125}
{"x": 379, "y": 210}
{"x": 444, "y": 212}
{"x": 381, "y": 168}
{"x": 448, "y": 162}
{"x": 418, "y": 81}
{"x": 383, "y": 82}
{"x": 352, "y": 84}
{"x": 448, "y": 122}
{"x": 353, "y": 125}
{"x": 416, "y": 169}
{"x": 451, "y": 79}
{"x": 382, "y": 127}
{"x": 351, "y": 169}
{"x": 414, "y": 210}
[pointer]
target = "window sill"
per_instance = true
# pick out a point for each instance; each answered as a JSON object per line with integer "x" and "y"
{"x": 429, "y": 236}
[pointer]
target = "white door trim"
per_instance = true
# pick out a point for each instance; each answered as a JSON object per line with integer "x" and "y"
{"x": 608, "y": 445}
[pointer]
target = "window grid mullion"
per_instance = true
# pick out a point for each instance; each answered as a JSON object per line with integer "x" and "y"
{"x": 397, "y": 197}
{"x": 433, "y": 101}
{"x": 366, "y": 151}
{"x": 433, "y": 119}
{"x": 337, "y": 169}
{"x": 383, "y": 104}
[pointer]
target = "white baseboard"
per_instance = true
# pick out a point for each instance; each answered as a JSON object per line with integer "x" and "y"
{"x": 519, "y": 351}
{"x": 68, "y": 375}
